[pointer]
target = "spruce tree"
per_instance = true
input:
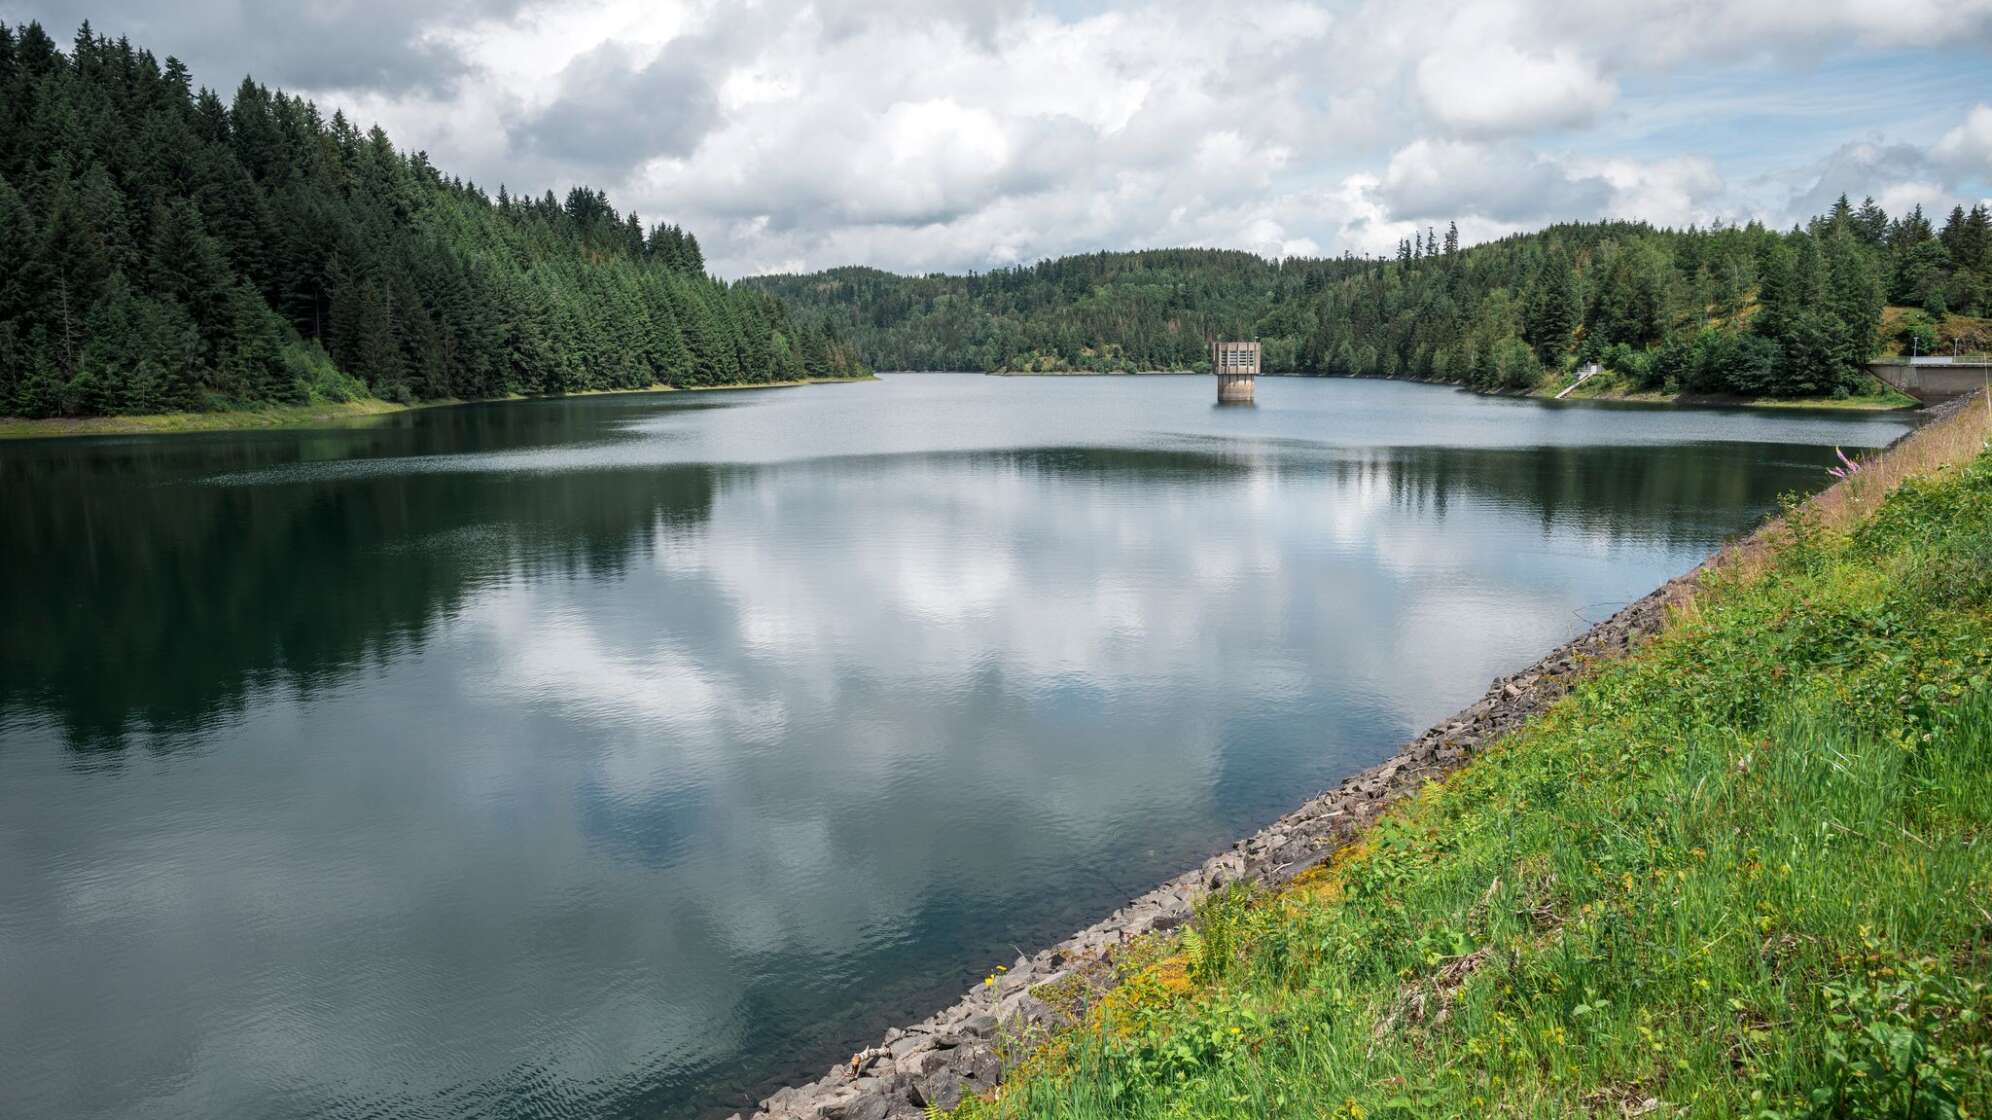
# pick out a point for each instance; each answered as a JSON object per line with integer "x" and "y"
{"x": 1871, "y": 223}
{"x": 1854, "y": 300}
{"x": 1554, "y": 311}
{"x": 252, "y": 359}
{"x": 188, "y": 267}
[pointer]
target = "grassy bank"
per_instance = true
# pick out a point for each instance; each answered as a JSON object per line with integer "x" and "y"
{"x": 1611, "y": 387}
{"x": 1746, "y": 871}
{"x": 317, "y": 415}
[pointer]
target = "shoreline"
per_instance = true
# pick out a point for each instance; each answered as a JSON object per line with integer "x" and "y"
{"x": 1889, "y": 401}
{"x": 1886, "y": 402}
{"x": 962, "y": 1050}
{"x": 1895, "y": 402}
{"x": 327, "y": 414}
{"x": 1099, "y": 373}
{"x": 966, "y": 1043}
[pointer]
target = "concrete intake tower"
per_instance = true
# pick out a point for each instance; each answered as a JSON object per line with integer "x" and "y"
{"x": 1236, "y": 365}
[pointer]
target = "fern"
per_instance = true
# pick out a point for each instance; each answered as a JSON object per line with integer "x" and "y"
{"x": 1194, "y": 952}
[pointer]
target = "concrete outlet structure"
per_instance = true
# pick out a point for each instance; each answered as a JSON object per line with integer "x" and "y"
{"x": 1236, "y": 365}
{"x": 1931, "y": 380}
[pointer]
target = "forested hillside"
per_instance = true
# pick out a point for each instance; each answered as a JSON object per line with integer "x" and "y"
{"x": 163, "y": 250}
{"x": 1153, "y": 309}
{"x": 1743, "y": 310}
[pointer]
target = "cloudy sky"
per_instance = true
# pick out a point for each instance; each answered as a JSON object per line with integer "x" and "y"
{"x": 949, "y": 134}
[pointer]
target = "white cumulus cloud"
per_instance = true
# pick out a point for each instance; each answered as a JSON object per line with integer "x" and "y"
{"x": 955, "y": 134}
{"x": 1495, "y": 89}
{"x": 1968, "y": 147}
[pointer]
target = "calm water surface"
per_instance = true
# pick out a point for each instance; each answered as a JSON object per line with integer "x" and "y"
{"x": 607, "y": 757}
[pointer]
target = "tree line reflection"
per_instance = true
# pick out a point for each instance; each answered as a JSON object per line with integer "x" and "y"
{"x": 142, "y": 592}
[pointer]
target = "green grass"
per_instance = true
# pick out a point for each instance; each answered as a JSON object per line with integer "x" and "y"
{"x": 315, "y": 415}
{"x": 1741, "y": 873}
{"x": 319, "y": 414}
{"x": 1885, "y": 399}
{"x": 1610, "y": 386}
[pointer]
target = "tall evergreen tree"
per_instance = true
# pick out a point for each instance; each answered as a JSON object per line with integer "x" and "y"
{"x": 1554, "y": 311}
{"x": 1871, "y": 223}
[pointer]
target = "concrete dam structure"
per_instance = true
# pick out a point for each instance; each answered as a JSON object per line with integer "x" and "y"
{"x": 1237, "y": 367}
{"x": 1933, "y": 380}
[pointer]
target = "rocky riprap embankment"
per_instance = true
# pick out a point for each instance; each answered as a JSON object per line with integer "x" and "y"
{"x": 959, "y": 1051}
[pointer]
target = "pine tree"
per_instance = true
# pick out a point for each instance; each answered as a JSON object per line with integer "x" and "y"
{"x": 187, "y": 266}
{"x": 1554, "y": 310}
{"x": 363, "y": 337}
{"x": 1909, "y": 231}
{"x": 75, "y": 264}
{"x": 23, "y": 277}
{"x": 115, "y": 345}
{"x": 1839, "y": 219}
{"x": 1953, "y": 235}
{"x": 671, "y": 356}
{"x": 819, "y": 352}
{"x": 252, "y": 358}
{"x": 1777, "y": 296}
{"x": 1871, "y": 223}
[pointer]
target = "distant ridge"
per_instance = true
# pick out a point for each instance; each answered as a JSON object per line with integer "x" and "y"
{"x": 1730, "y": 309}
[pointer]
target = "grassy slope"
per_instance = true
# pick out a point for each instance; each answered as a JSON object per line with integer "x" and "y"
{"x": 1610, "y": 387}
{"x": 317, "y": 415}
{"x": 1744, "y": 872}
{"x": 322, "y": 414}
{"x": 1971, "y": 334}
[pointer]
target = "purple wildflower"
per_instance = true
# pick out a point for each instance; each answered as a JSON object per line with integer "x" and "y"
{"x": 1848, "y": 470}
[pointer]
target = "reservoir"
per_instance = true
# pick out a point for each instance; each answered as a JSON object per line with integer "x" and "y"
{"x": 611, "y": 756}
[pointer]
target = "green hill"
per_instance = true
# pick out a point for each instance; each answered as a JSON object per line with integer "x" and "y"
{"x": 161, "y": 250}
{"x": 1743, "y": 310}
